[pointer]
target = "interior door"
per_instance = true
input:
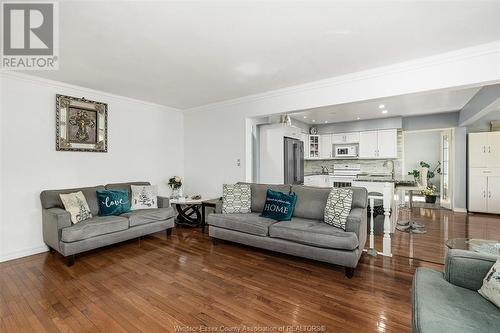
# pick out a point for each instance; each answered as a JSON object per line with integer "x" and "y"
{"x": 446, "y": 184}
{"x": 368, "y": 145}
{"x": 387, "y": 143}
{"x": 478, "y": 185}
{"x": 494, "y": 194}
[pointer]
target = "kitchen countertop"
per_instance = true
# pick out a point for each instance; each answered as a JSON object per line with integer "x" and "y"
{"x": 401, "y": 181}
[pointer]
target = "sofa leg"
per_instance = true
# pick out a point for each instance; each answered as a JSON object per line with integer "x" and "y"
{"x": 70, "y": 260}
{"x": 169, "y": 231}
{"x": 51, "y": 250}
{"x": 349, "y": 272}
{"x": 215, "y": 241}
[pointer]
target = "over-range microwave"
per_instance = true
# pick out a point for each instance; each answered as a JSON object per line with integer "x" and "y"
{"x": 346, "y": 151}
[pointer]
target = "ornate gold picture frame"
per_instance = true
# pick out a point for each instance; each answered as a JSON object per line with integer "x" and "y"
{"x": 81, "y": 124}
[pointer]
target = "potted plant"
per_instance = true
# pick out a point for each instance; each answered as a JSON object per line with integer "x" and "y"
{"x": 175, "y": 184}
{"x": 430, "y": 191}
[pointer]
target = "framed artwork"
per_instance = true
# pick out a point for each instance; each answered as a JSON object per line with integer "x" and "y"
{"x": 81, "y": 125}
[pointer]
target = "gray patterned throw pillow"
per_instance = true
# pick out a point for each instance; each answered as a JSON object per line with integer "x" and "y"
{"x": 236, "y": 198}
{"x": 338, "y": 207}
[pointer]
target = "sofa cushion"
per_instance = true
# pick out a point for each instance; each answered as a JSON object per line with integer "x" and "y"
{"x": 250, "y": 223}
{"x": 125, "y": 186}
{"x": 315, "y": 233}
{"x": 95, "y": 226}
{"x": 143, "y": 216}
{"x": 51, "y": 199}
{"x": 236, "y": 198}
{"x": 311, "y": 201}
{"x": 338, "y": 206}
{"x": 259, "y": 193}
{"x": 439, "y": 306}
{"x": 279, "y": 206}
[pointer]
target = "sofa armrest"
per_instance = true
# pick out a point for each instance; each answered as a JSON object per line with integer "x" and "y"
{"x": 218, "y": 206}
{"x": 53, "y": 221}
{"x": 163, "y": 202}
{"x": 467, "y": 269}
{"x": 357, "y": 223}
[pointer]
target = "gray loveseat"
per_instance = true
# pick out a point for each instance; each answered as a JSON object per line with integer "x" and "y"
{"x": 449, "y": 302}
{"x": 306, "y": 235}
{"x": 69, "y": 239}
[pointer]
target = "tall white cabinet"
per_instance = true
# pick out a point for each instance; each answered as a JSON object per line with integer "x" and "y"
{"x": 484, "y": 172}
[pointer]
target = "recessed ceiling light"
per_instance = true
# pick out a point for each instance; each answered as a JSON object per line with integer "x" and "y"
{"x": 305, "y": 117}
{"x": 326, "y": 121}
{"x": 384, "y": 111}
{"x": 313, "y": 121}
{"x": 381, "y": 106}
{"x": 358, "y": 118}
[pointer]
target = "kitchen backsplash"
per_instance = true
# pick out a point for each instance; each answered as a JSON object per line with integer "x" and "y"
{"x": 367, "y": 166}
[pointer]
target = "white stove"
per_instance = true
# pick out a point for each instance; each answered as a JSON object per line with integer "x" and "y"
{"x": 344, "y": 174}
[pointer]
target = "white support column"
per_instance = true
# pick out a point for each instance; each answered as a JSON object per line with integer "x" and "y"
{"x": 388, "y": 199}
{"x": 372, "y": 234}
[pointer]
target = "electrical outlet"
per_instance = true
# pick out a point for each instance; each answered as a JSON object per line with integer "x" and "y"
{"x": 238, "y": 162}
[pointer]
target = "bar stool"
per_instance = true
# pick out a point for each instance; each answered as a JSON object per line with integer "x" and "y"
{"x": 409, "y": 225}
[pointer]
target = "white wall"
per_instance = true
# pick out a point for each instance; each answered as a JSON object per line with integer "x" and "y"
{"x": 215, "y": 134}
{"x": 145, "y": 143}
{"x": 422, "y": 146}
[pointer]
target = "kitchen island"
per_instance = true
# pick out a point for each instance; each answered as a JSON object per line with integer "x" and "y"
{"x": 383, "y": 187}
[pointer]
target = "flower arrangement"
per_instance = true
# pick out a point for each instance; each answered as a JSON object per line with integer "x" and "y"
{"x": 175, "y": 183}
{"x": 429, "y": 190}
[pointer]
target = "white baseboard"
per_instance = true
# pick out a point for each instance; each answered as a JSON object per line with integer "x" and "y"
{"x": 460, "y": 210}
{"x": 23, "y": 253}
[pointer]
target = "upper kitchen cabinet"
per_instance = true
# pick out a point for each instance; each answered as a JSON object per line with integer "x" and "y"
{"x": 484, "y": 150}
{"x": 341, "y": 138}
{"x": 313, "y": 150}
{"x": 378, "y": 144}
{"x": 325, "y": 146}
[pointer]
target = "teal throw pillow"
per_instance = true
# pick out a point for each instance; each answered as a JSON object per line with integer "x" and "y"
{"x": 114, "y": 202}
{"x": 279, "y": 206}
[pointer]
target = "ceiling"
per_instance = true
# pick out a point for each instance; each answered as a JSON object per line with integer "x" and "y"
{"x": 404, "y": 105}
{"x": 186, "y": 54}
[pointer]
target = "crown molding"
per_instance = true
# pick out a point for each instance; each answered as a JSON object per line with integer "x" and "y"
{"x": 78, "y": 89}
{"x": 402, "y": 67}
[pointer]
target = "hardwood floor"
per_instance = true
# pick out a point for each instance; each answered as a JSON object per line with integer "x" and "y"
{"x": 158, "y": 283}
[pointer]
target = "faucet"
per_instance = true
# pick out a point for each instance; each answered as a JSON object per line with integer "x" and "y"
{"x": 390, "y": 164}
{"x": 324, "y": 169}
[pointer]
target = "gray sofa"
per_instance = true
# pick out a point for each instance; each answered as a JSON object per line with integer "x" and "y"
{"x": 306, "y": 235}
{"x": 449, "y": 302}
{"x": 69, "y": 239}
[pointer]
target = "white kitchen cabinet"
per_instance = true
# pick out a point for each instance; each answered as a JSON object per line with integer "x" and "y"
{"x": 368, "y": 144}
{"x": 378, "y": 144}
{"x": 317, "y": 180}
{"x": 340, "y": 138}
{"x": 494, "y": 194}
{"x": 387, "y": 141}
{"x": 313, "y": 144}
{"x": 484, "y": 172}
{"x": 484, "y": 150}
{"x": 478, "y": 186}
{"x": 484, "y": 190}
{"x": 325, "y": 146}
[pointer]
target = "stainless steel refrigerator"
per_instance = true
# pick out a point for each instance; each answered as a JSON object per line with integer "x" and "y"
{"x": 294, "y": 161}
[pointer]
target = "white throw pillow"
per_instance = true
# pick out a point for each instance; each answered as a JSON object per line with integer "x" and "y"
{"x": 236, "y": 198}
{"x": 338, "y": 207}
{"x": 77, "y": 206}
{"x": 144, "y": 197}
{"x": 491, "y": 285}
